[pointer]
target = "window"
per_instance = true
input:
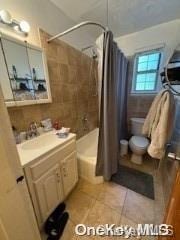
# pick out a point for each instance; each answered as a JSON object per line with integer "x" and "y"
{"x": 146, "y": 71}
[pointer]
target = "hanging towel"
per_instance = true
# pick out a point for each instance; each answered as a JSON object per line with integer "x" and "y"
{"x": 159, "y": 122}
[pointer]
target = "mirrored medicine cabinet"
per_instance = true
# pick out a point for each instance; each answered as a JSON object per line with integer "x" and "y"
{"x": 23, "y": 73}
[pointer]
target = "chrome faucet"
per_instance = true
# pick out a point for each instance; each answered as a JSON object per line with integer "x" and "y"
{"x": 32, "y": 130}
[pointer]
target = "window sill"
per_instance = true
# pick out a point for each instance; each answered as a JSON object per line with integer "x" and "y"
{"x": 143, "y": 93}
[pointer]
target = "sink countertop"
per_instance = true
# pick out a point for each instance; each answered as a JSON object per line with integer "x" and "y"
{"x": 34, "y": 148}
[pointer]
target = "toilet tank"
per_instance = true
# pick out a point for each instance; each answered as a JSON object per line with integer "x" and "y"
{"x": 136, "y": 126}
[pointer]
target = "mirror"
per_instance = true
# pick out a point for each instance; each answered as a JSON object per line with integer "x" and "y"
{"x": 171, "y": 74}
{"x": 37, "y": 71}
{"x": 19, "y": 71}
{"x": 4, "y": 79}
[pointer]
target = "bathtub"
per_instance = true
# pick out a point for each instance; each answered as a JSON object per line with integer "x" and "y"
{"x": 87, "y": 157}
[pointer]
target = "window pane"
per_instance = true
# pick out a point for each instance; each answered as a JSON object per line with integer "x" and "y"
{"x": 141, "y": 78}
{"x": 153, "y": 65}
{"x": 140, "y": 86}
{"x": 151, "y": 77}
{"x": 145, "y": 81}
{"x": 140, "y": 82}
{"x": 150, "y": 81}
{"x": 142, "y": 66}
{"x": 150, "y": 86}
{"x": 154, "y": 57}
{"x": 143, "y": 59}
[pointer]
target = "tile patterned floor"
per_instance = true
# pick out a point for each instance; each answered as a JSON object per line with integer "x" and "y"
{"x": 111, "y": 203}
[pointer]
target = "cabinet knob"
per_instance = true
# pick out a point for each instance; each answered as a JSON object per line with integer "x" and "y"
{"x": 58, "y": 176}
{"x": 64, "y": 171}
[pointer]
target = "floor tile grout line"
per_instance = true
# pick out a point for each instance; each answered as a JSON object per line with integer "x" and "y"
{"x": 101, "y": 201}
{"x": 88, "y": 194}
{"x": 124, "y": 204}
{"x": 90, "y": 209}
{"x": 114, "y": 209}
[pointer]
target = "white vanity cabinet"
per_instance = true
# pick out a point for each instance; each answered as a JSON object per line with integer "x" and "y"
{"x": 51, "y": 177}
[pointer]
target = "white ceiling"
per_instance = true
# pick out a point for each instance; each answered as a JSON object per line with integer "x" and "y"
{"x": 125, "y": 16}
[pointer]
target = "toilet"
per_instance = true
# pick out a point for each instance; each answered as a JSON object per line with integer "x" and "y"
{"x": 137, "y": 143}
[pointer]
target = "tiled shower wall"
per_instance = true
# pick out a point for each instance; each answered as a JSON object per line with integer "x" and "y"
{"x": 73, "y": 89}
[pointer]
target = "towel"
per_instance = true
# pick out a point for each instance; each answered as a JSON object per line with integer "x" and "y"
{"x": 159, "y": 123}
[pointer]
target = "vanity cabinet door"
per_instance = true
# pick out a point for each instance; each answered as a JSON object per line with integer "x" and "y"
{"x": 39, "y": 75}
{"x": 4, "y": 81}
{"x": 69, "y": 173}
{"x": 19, "y": 72}
{"x": 49, "y": 192}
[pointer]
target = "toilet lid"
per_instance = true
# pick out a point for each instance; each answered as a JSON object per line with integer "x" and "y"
{"x": 139, "y": 141}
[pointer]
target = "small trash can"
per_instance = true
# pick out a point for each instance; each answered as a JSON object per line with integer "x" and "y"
{"x": 123, "y": 147}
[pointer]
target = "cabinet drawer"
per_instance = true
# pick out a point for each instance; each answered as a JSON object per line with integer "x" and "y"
{"x": 49, "y": 160}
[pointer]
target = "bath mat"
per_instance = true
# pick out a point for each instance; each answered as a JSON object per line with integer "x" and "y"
{"x": 135, "y": 180}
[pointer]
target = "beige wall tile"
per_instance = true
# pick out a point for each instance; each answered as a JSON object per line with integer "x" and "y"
{"x": 56, "y": 91}
{"x": 74, "y": 56}
{"x": 54, "y": 111}
{"x": 54, "y": 71}
{"x": 82, "y": 107}
{"x": 63, "y": 69}
{"x": 92, "y": 104}
{"x": 62, "y": 53}
{"x": 27, "y": 113}
{"x": 72, "y": 74}
{"x": 70, "y": 110}
{"x": 17, "y": 118}
{"x": 69, "y": 93}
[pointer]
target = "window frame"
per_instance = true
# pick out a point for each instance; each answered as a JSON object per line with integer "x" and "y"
{"x": 135, "y": 71}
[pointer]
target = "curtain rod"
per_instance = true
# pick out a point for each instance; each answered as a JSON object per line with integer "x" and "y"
{"x": 74, "y": 28}
{"x": 86, "y": 48}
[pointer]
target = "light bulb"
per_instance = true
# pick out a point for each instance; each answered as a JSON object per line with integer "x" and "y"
{"x": 24, "y": 26}
{"x": 17, "y": 28}
{"x": 5, "y": 17}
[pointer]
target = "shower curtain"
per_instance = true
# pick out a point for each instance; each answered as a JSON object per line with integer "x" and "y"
{"x": 113, "y": 122}
{"x": 99, "y": 45}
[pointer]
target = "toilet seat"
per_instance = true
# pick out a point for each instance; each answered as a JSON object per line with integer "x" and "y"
{"x": 139, "y": 142}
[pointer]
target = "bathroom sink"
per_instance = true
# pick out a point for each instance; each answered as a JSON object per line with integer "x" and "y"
{"x": 39, "y": 142}
{"x": 38, "y": 146}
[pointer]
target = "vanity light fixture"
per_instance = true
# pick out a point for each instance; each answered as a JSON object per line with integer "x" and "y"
{"x": 5, "y": 17}
{"x": 24, "y": 26}
{"x": 20, "y": 27}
